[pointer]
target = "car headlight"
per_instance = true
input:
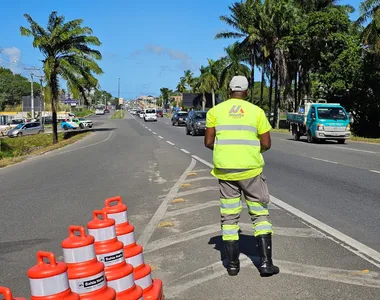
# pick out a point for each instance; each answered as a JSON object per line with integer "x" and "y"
{"x": 198, "y": 123}
{"x": 348, "y": 127}
{"x": 321, "y": 127}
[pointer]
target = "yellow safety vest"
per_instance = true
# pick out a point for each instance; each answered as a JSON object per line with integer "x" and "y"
{"x": 237, "y": 144}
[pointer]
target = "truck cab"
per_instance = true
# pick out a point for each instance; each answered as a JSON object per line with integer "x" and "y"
{"x": 327, "y": 122}
{"x": 320, "y": 121}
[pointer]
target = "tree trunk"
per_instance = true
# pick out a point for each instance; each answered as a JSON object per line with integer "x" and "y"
{"x": 276, "y": 97}
{"x": 295, "y": 92}
{"x": 213, "y": 97}
{"x": 270, "y": 92}
{"x": 203, "y": 101}
{"x": 300, "y": 86}
{"x": 262, "y": 84}
{"x": 252, "y": 74}
{"x": 54, "y": 122}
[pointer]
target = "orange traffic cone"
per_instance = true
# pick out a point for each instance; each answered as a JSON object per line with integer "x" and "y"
{"x": 49, "y": 281}
{"x": 85, "y": 272}
{"x": 132, "y": 251}
{"x": 7, "y": 294}
{"x": 109, "y": 250}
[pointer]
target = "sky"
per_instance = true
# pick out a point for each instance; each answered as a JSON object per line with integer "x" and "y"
{"x": 147, "y": 44}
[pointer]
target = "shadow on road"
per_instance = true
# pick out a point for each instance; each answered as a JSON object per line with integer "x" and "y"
{"x": 319, "y": 142}
{"x": 247, "y": 246}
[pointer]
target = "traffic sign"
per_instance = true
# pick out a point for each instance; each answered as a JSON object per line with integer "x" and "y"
{"x": 121, "y": 100}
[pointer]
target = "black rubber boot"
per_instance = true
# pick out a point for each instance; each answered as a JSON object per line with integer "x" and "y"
{"x": 232, "y": 251}
{"x": 266, "y": 268}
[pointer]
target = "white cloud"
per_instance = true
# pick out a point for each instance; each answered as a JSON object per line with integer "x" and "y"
{"x": 185, "y": 61}
{"x": 10, "y": 59}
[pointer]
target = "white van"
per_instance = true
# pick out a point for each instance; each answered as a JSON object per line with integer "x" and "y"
{"x": 150, "y": 114}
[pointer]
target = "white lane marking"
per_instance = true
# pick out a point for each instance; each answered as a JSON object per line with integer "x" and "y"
{"x": 203, "y": 161}
{"x": 215, "y": 270}
{"x": 84, "y": 147}
{"x": 170, "y": 143}
{"x": 154, "y": 132}
{"x": 325, "y": 160}
{"x": 353, "y": 149}
{"x": 161, "y": 137}
{"x": 149, "y": 129}
{"x": 185, "y": 151}
{"x": 360, "y": 249}
{"x": 374, "y": 171}
{"x": 352, "y": 245}
{"x": 159, "y": 214}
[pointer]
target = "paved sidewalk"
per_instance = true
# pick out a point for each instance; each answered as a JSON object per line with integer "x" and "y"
{"x": 186, "y": 252}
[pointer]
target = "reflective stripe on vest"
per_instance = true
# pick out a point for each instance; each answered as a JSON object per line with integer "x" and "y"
{"x": 237, "y": 142}
{"x": 236, "y": 127}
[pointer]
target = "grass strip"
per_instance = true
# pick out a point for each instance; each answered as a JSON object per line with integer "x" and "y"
{"x": 14, "y": 150}
{"x": 118, "y": 115}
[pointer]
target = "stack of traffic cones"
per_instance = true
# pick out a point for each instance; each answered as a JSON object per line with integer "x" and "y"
{"x": 133, "y": 252}
{"x": 85, "y": 272}
{"x": 48, "y": 281}
{"x": 110, "y": 252}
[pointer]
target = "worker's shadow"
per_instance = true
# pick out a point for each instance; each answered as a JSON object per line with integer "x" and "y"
{"x": 247, "y": 246}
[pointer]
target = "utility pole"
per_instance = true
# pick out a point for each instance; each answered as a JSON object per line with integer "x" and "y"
{"x": 31, "y": 90}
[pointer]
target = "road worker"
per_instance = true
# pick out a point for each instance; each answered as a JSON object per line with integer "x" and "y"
{"x": 238, "y": 133}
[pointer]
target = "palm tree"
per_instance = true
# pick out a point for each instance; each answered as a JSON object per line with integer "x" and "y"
{"x": 233, "y": 64}
{"x": 244, "y": 19}
{"x": 181, "y": 86}
{"x": 67, "y": 55}
{"x": 370, "y": 9}
{"x": 209, "y": 79}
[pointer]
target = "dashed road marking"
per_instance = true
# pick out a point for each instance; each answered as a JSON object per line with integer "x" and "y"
{"x": 375, "y": 171}
{"x": 185, "y": 151}
{"x": 324, "y": 160}
{"x": 161, "y": 137}
{"x": 154, "y": 132}
{"x": 353, "y": 149}
{"x": 170, "y": 143}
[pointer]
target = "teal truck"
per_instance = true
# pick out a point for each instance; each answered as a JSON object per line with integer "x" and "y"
{"x": 320, "y": 121}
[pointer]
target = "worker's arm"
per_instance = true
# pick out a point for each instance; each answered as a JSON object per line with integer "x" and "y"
{"x": 265, "y": 141}
{"x": 210, "y": 138}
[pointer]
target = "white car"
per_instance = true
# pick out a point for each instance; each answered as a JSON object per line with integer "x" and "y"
{"x": 141, "y": 114}
{"x": 150, "y": 114}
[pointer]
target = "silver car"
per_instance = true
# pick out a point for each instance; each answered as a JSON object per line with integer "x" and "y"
{"x": 26, "y": 129}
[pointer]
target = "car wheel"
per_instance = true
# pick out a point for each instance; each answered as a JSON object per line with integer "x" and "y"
{"x": 81, "y": 125}
{"x": 39, "y": 132}
{"x": 19, "y": 134}
{"x": 65, "y": 127}
{"x": 172, "y": 123}
{"x": 310, "y": 139}
{"x": 187, "y": 131}
{"x": 341, "y": 141}
{"x": 193, "y": 132}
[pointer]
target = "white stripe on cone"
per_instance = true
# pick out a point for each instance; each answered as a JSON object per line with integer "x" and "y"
{"x": 88, "y": 284}
{"x": 122, "y": 284}
{"x": 103, "y": 234}
{"x": 112, "y": 258}
{"x": 49, "y": 286}
{"x": 127, "y": 239}
{"x": 145, "y": 282}
{"x": 136, "y": 260}
{"x": 78, "y": 255}
{"x": 119, "y": 218}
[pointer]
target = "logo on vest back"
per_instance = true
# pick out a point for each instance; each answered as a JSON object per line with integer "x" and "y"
{"x": 236, "y": 111}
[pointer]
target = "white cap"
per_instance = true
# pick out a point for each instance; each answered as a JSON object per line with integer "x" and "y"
{"x": 239, "y": 84}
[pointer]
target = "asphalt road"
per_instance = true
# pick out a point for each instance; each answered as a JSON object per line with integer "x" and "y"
{"x": 148, "y": 165}
{"x": 337, "y": 184}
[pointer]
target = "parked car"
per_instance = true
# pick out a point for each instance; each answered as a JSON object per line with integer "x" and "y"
{"x": 179, "y": 117}
{"x": 83, "y": 122}
{"x": 196, "y": 123}
{"x": 150, "y": 114}
{"x": 26, "y": 129}
{"x": 160, "y": 113}
{"x": 69, "y": 124}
